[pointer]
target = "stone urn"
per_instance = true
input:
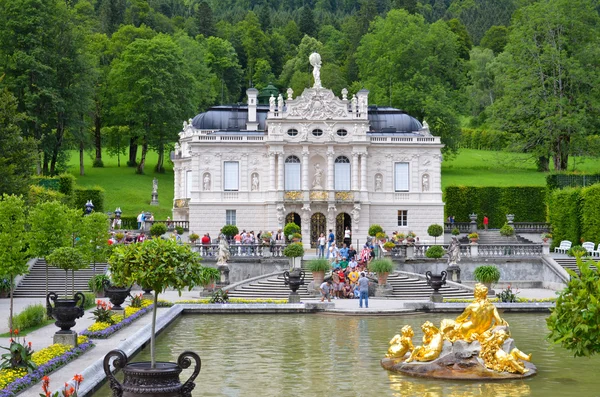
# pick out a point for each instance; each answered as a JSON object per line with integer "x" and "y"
{"x": 141, "y": 380}
{"x": 318, "y": 277}
{"x": 294, "y": 279}
{"x": 65, "y": 311}
{"x": 436, "y": 281}
{"x": 117, "y": 295}
{"x": 382, "y": 278}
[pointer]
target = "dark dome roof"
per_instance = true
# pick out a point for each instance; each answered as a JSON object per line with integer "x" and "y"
{"x": 392, "y": 120}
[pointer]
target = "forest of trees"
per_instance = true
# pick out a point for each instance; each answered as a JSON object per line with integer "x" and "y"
{"x": 119, "y": 76}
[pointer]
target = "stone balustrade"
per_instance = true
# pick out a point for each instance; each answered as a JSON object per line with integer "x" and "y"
{"x": 474, "y": 250}
{"x": 241, "y": 250}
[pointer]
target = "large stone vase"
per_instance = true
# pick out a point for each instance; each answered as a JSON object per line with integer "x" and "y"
{"x": 65, "y": 311}
{"x": 142, "y": 380}
{"x": 116, "y": 295}
{"x": 436, "y": 281}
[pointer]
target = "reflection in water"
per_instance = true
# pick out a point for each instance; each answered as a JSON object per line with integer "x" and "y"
{"x": 318, "y": 355}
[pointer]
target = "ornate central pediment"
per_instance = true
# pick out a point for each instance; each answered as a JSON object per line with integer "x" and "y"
{"x": 317, "y": 104}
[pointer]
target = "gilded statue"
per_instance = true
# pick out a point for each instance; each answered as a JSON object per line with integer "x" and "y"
{"x": 401, "y": 343}
{"x": 433, "y": 342}
{"x": 477, "y": 318}
{"x": 495, "y": 358}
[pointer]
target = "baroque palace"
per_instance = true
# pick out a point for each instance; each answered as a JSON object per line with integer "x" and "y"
{"x": 320, "y": 161}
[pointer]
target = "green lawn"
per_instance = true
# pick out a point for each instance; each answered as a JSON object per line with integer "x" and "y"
{"x": 126, "y": 189}
{"x": 132, "y": 192}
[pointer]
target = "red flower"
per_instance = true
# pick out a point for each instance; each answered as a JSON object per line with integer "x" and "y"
{"x": 29, "y": 344}
{"x": 16, "y": 331}
{"x": 78, "y": 378}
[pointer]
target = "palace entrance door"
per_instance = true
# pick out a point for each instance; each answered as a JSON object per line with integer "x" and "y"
{"x": 318, "y": 225}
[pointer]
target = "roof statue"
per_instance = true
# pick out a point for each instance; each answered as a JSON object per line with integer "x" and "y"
{"x": 315, "y": 61}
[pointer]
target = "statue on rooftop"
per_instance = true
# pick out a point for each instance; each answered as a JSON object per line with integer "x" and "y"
{"x": 315, "y": 61}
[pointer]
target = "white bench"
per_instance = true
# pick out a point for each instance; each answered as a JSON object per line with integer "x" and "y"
{"x": 564, "y": 246}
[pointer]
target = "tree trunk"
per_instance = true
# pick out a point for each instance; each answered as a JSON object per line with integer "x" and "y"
{"x": 543, "y": 164}
{"x": 81, "y": 167}
{"x": 66, "y": 282}
{"x": 60, "y": 133}
{"x": 153, "y": 332}
{"x": 140, "y": 167}
{"x": 133, "y": 148}
{"x": 160, "y": 165}
{"x": 98, "y": 134}
{"x": 10, "y": 314}
{"x": 46, "y": 161}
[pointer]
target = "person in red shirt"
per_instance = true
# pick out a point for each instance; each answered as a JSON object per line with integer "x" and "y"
{"x": 205, "y": 244}
{"x": 342, "y": 276}
{"x": 485, "y": 222}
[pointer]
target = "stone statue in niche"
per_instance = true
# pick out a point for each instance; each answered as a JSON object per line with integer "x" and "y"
{"x": 425, "y": 182}
{"x": 255, "y": 182}
{"x": 206, "y": 182}
{"x": 315, "y": 61}
{"x": 344, "y": 94}
{"x": 280, "y": 213}
{"x": 272, "y": 103}
{"x": 378, "y": 183}
{"x": 355, "y": 213}
{"x": 318, "y": 178}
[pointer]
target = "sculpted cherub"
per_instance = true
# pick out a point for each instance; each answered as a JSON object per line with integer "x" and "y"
{"x": 495, "y": 358}
{"x": 401, "y": 343}
{"x": 433, "y": 342}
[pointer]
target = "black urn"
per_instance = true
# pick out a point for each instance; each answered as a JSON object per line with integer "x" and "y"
{"x": 294, "y": 279}
{"x": 142, "y": 380}
{"x": 116, "y": 295}
{"x": 436, "y": 281}
{"x": 65, "y": 311}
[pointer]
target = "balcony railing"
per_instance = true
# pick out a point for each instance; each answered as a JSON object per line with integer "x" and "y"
{"x": 482, "y": 250}
{"x": 463, "y": 227}
{"x": 241, "y": 250}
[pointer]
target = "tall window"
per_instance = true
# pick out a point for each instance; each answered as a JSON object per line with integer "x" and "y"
{"x": 188, "y": 184}
{"x": 231, "y": 175}
{"x": 292, "y": 173}
{"x": 230, "y": 217}
{"x": 342, "y": 173}
{"x": 402, "y": 218}
{"x": 401, "y": 177}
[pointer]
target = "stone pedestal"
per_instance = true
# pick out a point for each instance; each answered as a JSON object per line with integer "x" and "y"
{"x": 294, "y": 298}
{"x": 224, "y": 269}
{"x": 545, "y": 248}
{"x": 474, "y": 250}
{"x": 410, "y": 252}
{"x": 436, "y": 297}
{"x": 148, "y": 296}
{"x": 154, "y": 199}
{"x": 384, "y": 290}
{"x": 66, "y": 338}
{"x": 454, "y": 273}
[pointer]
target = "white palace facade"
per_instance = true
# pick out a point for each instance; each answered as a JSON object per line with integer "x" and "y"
{"x": 321, "y": 161}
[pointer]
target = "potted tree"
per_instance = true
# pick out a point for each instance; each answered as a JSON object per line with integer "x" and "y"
{"x": 487, "y": 275}
{"x": 435, "y": 231}
{"x": 382, "y": 267}
{"x": 318, "y": 267}
{"x": 455, "y": 231}
{"x": 473, "y": 237}
{"x": 388, "y": 247}
{"x": 546, "y": 236}
{"x": 291, "y": 231}
{"x": 374, "y": 229}
{"x": 294, "y": 251}
{"x": 230, "y": 231}
{"x": 158, "y": 264}
{"x": 435, "y": 251}
{"x": 507, "y": 230}
{"x": 193, "y": 238}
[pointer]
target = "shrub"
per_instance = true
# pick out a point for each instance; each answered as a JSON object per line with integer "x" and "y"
{"x": 158, "y": 229}
{"x": 230, "y": 230}
{"x": 435, "y": 231}
{"x": 291, "y": 229}
{"x": 381, "y": 266}
{"x": 294, "y": 250}
{"x": 193, "y": 237}
{"x": 389, "y": 245}
{"x": 219, "y": 296}
{"x": 82, "y": 195}
{"x": 486, "y": 274}
{"x": 319, "y": 265}
{"x": 31, "y": 316}
{"x": 473, "y": 235}
{"x": 507, "y": 295}
{"x": 435, "y": 251}
{"x": 96, "y": 283}
{"x": 507, "y": 230}
{"x": 380, "y": 236}
{"x": 455, "y": 231}
{"x": 577, "y": 251}
{"x": 179, "y": 229}
{"x": 66, "y": 184}
{"x": 590, "y": 213}
{"x": 39, "y": 194}
{"x": 374, "y": 229}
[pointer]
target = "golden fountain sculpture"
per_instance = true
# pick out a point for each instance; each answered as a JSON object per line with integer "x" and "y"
{"x": 475, "y": 345}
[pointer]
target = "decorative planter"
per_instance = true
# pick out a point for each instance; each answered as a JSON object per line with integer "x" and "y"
{"x": 142, "y": 380}
{"x": 474, "y": 240}
{"x": 294, "y": 279}
{"x": 436, "y": 281}
{"x": 545, "y": 240}
{"x": 318, "y": 277}
{"x": 382, "y": 278}
{"x": 65, "y": 311}
{"x": 117, "y": 295}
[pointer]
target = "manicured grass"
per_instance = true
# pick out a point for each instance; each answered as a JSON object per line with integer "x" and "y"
{"x": 126, "y": 189}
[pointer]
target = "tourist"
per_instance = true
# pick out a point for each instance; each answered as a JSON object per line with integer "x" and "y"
{"x": 485, "y": 222}
{"x": 321, "y": 247}
{"x": 365, "y": 256}
{"x": 363, "y": 287}
{"x": 141, "y": 237}
{"x": 452, "y": 220}
{"x": 347, "y": 234}
{"x": 140, "y": 220}
{"x": 175, "y": 236}
{"x": 129, "y": 239}
{"x": 333, "y": 253}
{"x": 325, "y": 290}
{"x": 205, "y": 244}
{"x": 352, "y": 264}
{"x": 351, "y": 252}
{"x": 342, "y": 276}
{"x": 344, "y": 251}
{"x": 112, "y": 240}
{"x": 343, "y": 263}
{"x": 348, "y": 291}
{"x": 331, "y": 241}
{"x": 336, "y": 283}
{"x": 169, "y": 223}
{"x": 353, "y": 277}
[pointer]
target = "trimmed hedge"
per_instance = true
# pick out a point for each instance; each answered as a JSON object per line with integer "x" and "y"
{"x": 527, "y": 203}
{"x": 564, "y": 213}
{"x": 559, "y": 181}
{"x": 590, "y": 213}
{"x": 479, "y": 139}
{"x": 39, "y": 194}
{"x": 82, "y": 195}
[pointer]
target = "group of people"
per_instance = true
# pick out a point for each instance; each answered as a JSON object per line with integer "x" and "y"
{"x": 346, "y": 283}
{"x": 130, "y": 238}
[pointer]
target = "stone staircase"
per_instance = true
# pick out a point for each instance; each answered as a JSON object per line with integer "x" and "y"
{"x": 494, "y": 237}
{"x": 33, "y": 285}
{"x": 405, "y": 286}
{"x": 571, "y": 263}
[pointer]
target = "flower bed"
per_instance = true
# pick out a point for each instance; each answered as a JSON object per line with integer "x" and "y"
{"x": 48, "y": 359}
{"x": 101, "y": 330}
{"x": 206, "y": 301}
{"x": 496, "y": 300}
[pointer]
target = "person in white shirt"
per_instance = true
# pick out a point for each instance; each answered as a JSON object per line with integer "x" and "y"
{"x": 347, "y": 236}
{"x": 321, "y": 246}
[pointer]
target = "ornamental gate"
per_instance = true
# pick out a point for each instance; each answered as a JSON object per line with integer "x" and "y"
{"x": 341, "y": 221}
{"x": 318, "y": 225}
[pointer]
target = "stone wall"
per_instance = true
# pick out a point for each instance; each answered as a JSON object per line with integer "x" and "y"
{"x": 241, "y": 269}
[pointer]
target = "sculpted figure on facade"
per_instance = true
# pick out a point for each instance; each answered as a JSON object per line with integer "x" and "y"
{"x": 354, "y": 103}
{"x": 331, "y": 210}
{"x": 344, "y": 94}
{"x": 378, "y": 183}
{"x": 280, "y": 103}
{"x": 318, "y": 178}
{"x": 206, "y": 182}
{"x": 154, "y": 185}
{"x": 315, "y": 61}
{"x": 280, "y": 213}
{"x": 355, "y": 213}
{"x": 272, "y": 103}
{"x": 255, "y": 182}
{"x": 425, "y": 182}
{"x": 290, "y": 94}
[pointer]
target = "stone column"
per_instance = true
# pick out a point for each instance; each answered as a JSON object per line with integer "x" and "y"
{"x": 305, "y": 184}
{"x": 272, "y": 179}
{"x": 244, "y": 174}
{"x": 330, "y": 159}
{"x": 363, "y": 172}
{"x": 195, "y": 170}
{"x": 354, "y": 171}
{"x": 280, "y": 169}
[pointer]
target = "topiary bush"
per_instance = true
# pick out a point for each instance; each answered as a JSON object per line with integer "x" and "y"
{"x": 158, "y": 229}
{"x": 294, "y": 250}
{"x": 81, "y": 195}
{"x": 486, "y": 274}
{"x": 564, "y": 212}
{"x": 290, "y": 229}
{"x": 435, "y": 251}
{"x": 374, "y": 229}
{"x": 230, "y": 230}
{"x": 435, "y": 231}
{"x": 590, "y": 213}
{"x": 455, "y": 231}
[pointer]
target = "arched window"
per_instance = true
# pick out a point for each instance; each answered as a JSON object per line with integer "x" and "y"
{"x": 342, "y": 132}
{"x": 317, "y": 132}
{"x": 292, "y": 132}
{"x": 342, "y": 173}
{"x": 292, "y": 173}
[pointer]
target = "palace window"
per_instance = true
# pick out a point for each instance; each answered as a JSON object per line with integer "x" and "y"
{"x": 342, "y": 132}
{"x": 342, "y": 173}
{"x": 292, "y": 173}
{"x": 317, "y": 132}
{"x": 402, "y": 218}
{"x": 188, "y": 184}
{"x": 292, "y": 132}
{"x": 231, "y": 176}
{"x": 401, "y": 177}
{"x": 230, "y": 217}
